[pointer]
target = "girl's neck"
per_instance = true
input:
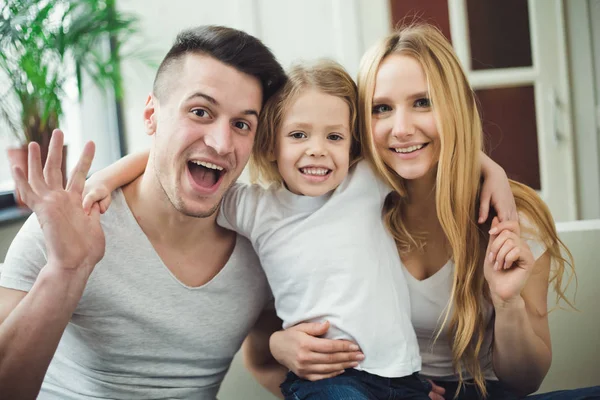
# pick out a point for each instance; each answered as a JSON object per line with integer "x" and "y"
{"x": 420, "y": 210}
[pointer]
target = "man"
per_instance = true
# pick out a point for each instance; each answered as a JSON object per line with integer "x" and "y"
{"x": 151, "y": 299}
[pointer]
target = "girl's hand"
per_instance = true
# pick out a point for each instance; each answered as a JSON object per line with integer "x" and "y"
{"x": 311, "y": 357}
{"x": 496, "y": 192}
{"x": 96, "y": 192}
{"x": 508, "y": 262}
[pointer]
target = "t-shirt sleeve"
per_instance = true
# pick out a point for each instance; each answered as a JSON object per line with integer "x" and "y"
{"x": 25, "y": 258}
{"x": 238, "y": 208}
{"x": 530, "y": 233}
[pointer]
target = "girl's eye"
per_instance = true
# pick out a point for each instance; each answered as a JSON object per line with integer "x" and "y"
{"x": 200, "y": 112}
{"x": 423, "y": 103}
{"x": 381, "y": 108}
{"x": 298, "y": 135}
{"x": 335, "y": 137}
{"x": 242, "y": 125}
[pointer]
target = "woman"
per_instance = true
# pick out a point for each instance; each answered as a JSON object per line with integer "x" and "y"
{"x": 422, "y": 133}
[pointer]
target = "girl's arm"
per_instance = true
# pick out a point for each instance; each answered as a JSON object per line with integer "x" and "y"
{"x": 496, "y": 192}
{"x": 101, "y": 184}
{"x": 522, "y": 351}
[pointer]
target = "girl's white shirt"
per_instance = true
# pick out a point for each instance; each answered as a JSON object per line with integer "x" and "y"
{"x": 331, "y": 258}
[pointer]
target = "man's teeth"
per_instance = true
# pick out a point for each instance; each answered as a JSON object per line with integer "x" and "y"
{"x": 409, "y": 149}
{"x": 314, "y": 171}
{"x": 208, "y": 165}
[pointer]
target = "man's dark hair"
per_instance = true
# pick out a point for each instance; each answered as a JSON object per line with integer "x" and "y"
{"x": 238, "y": 49}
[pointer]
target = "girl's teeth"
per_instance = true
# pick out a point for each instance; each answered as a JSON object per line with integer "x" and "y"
{"x": 314, "y": 171}
{"x": 409, "y": 149}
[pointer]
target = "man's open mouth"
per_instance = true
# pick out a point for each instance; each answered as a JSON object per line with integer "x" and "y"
{"x": 205, "y": 174}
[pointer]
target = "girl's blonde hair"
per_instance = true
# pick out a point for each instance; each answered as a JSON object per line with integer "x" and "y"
{"x": 326, "y": 76}
{"x": 457, "y": 187}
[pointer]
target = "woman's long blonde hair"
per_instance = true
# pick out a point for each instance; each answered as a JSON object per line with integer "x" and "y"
{"x": 457, "y": 187}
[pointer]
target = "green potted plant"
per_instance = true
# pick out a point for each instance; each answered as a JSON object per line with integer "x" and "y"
{"x": 43, "y": 44}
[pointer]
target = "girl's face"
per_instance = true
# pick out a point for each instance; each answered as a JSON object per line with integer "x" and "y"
{"x": 403, "y": 123}
{"x": 313, "y": 143}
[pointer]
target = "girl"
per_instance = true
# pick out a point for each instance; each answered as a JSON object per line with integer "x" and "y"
{"x": 318, "y": 232}
{"x": 478, "y": 296}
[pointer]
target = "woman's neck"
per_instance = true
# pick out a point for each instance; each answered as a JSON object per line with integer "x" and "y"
{"x": 420, "y": 211}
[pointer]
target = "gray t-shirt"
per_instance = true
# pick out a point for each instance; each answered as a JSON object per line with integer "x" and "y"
{"x": 138, "y": 332}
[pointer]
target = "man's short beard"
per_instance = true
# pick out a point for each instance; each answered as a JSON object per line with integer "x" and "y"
{"x": 187, "y": 213}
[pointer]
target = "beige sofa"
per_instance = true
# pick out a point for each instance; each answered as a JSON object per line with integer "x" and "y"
{"x": 575, "y": 335}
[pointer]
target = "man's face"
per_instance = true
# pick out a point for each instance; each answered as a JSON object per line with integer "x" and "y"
{"x": 203, "y": 126}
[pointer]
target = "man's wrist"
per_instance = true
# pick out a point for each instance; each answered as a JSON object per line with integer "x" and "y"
{"x": 71, "y": 280}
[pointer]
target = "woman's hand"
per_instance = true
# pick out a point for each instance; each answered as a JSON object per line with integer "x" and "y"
{"x": 301, "y": 350}
{"x": 508, "y": 262}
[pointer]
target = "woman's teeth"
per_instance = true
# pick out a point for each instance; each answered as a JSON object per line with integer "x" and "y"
{"x": 409, "y": 149}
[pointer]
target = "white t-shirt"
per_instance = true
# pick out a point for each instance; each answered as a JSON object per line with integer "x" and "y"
{"x": 331, "y": 258}
{"x": 429, "y": 299}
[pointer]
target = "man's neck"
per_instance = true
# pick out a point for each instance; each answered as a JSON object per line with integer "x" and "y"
{"x": 159, "y": 219}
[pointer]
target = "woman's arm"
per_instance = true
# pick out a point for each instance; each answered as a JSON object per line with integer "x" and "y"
{"x": 522, "y": 352}
{"x": 101, "y": 184}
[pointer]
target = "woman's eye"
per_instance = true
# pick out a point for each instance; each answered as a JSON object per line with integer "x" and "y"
{"x": 422, "y": 103}
{"x": 199, "y": 112}
{"x": 335, "y": 137}
{"x": 242, "y": 125}
{"x": 298, "y": 135}
{"x": 381, "y": 108}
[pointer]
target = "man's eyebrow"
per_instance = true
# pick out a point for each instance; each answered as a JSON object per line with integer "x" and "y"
{"x": 214, "y": 101}
{"x": 204, "y": 96}
{"x": 250, "y": 112}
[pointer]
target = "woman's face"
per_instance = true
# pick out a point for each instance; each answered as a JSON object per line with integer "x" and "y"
{"x": 403, "y": 123}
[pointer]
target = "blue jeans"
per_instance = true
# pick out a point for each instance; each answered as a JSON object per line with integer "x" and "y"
{"x": 356, "y": 385}
{"x": 497, "y": 391}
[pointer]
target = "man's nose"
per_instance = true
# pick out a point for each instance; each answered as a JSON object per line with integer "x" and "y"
{"x": 219, "y": 138}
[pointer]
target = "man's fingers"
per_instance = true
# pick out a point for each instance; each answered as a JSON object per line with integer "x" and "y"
{"x": 34, "y": 167}
{"x": 77, "y": 181}
{"x": 52, "y": 170}
{"x": 23, "y": 188}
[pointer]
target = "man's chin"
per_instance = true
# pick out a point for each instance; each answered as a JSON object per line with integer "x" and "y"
{"x": 199, "y": 211}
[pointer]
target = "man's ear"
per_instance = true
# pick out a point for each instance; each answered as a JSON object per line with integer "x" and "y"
{"x": 150, "y": 114}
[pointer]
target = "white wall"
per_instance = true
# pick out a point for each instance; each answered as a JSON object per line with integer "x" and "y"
{"x": 294, "y": 30}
